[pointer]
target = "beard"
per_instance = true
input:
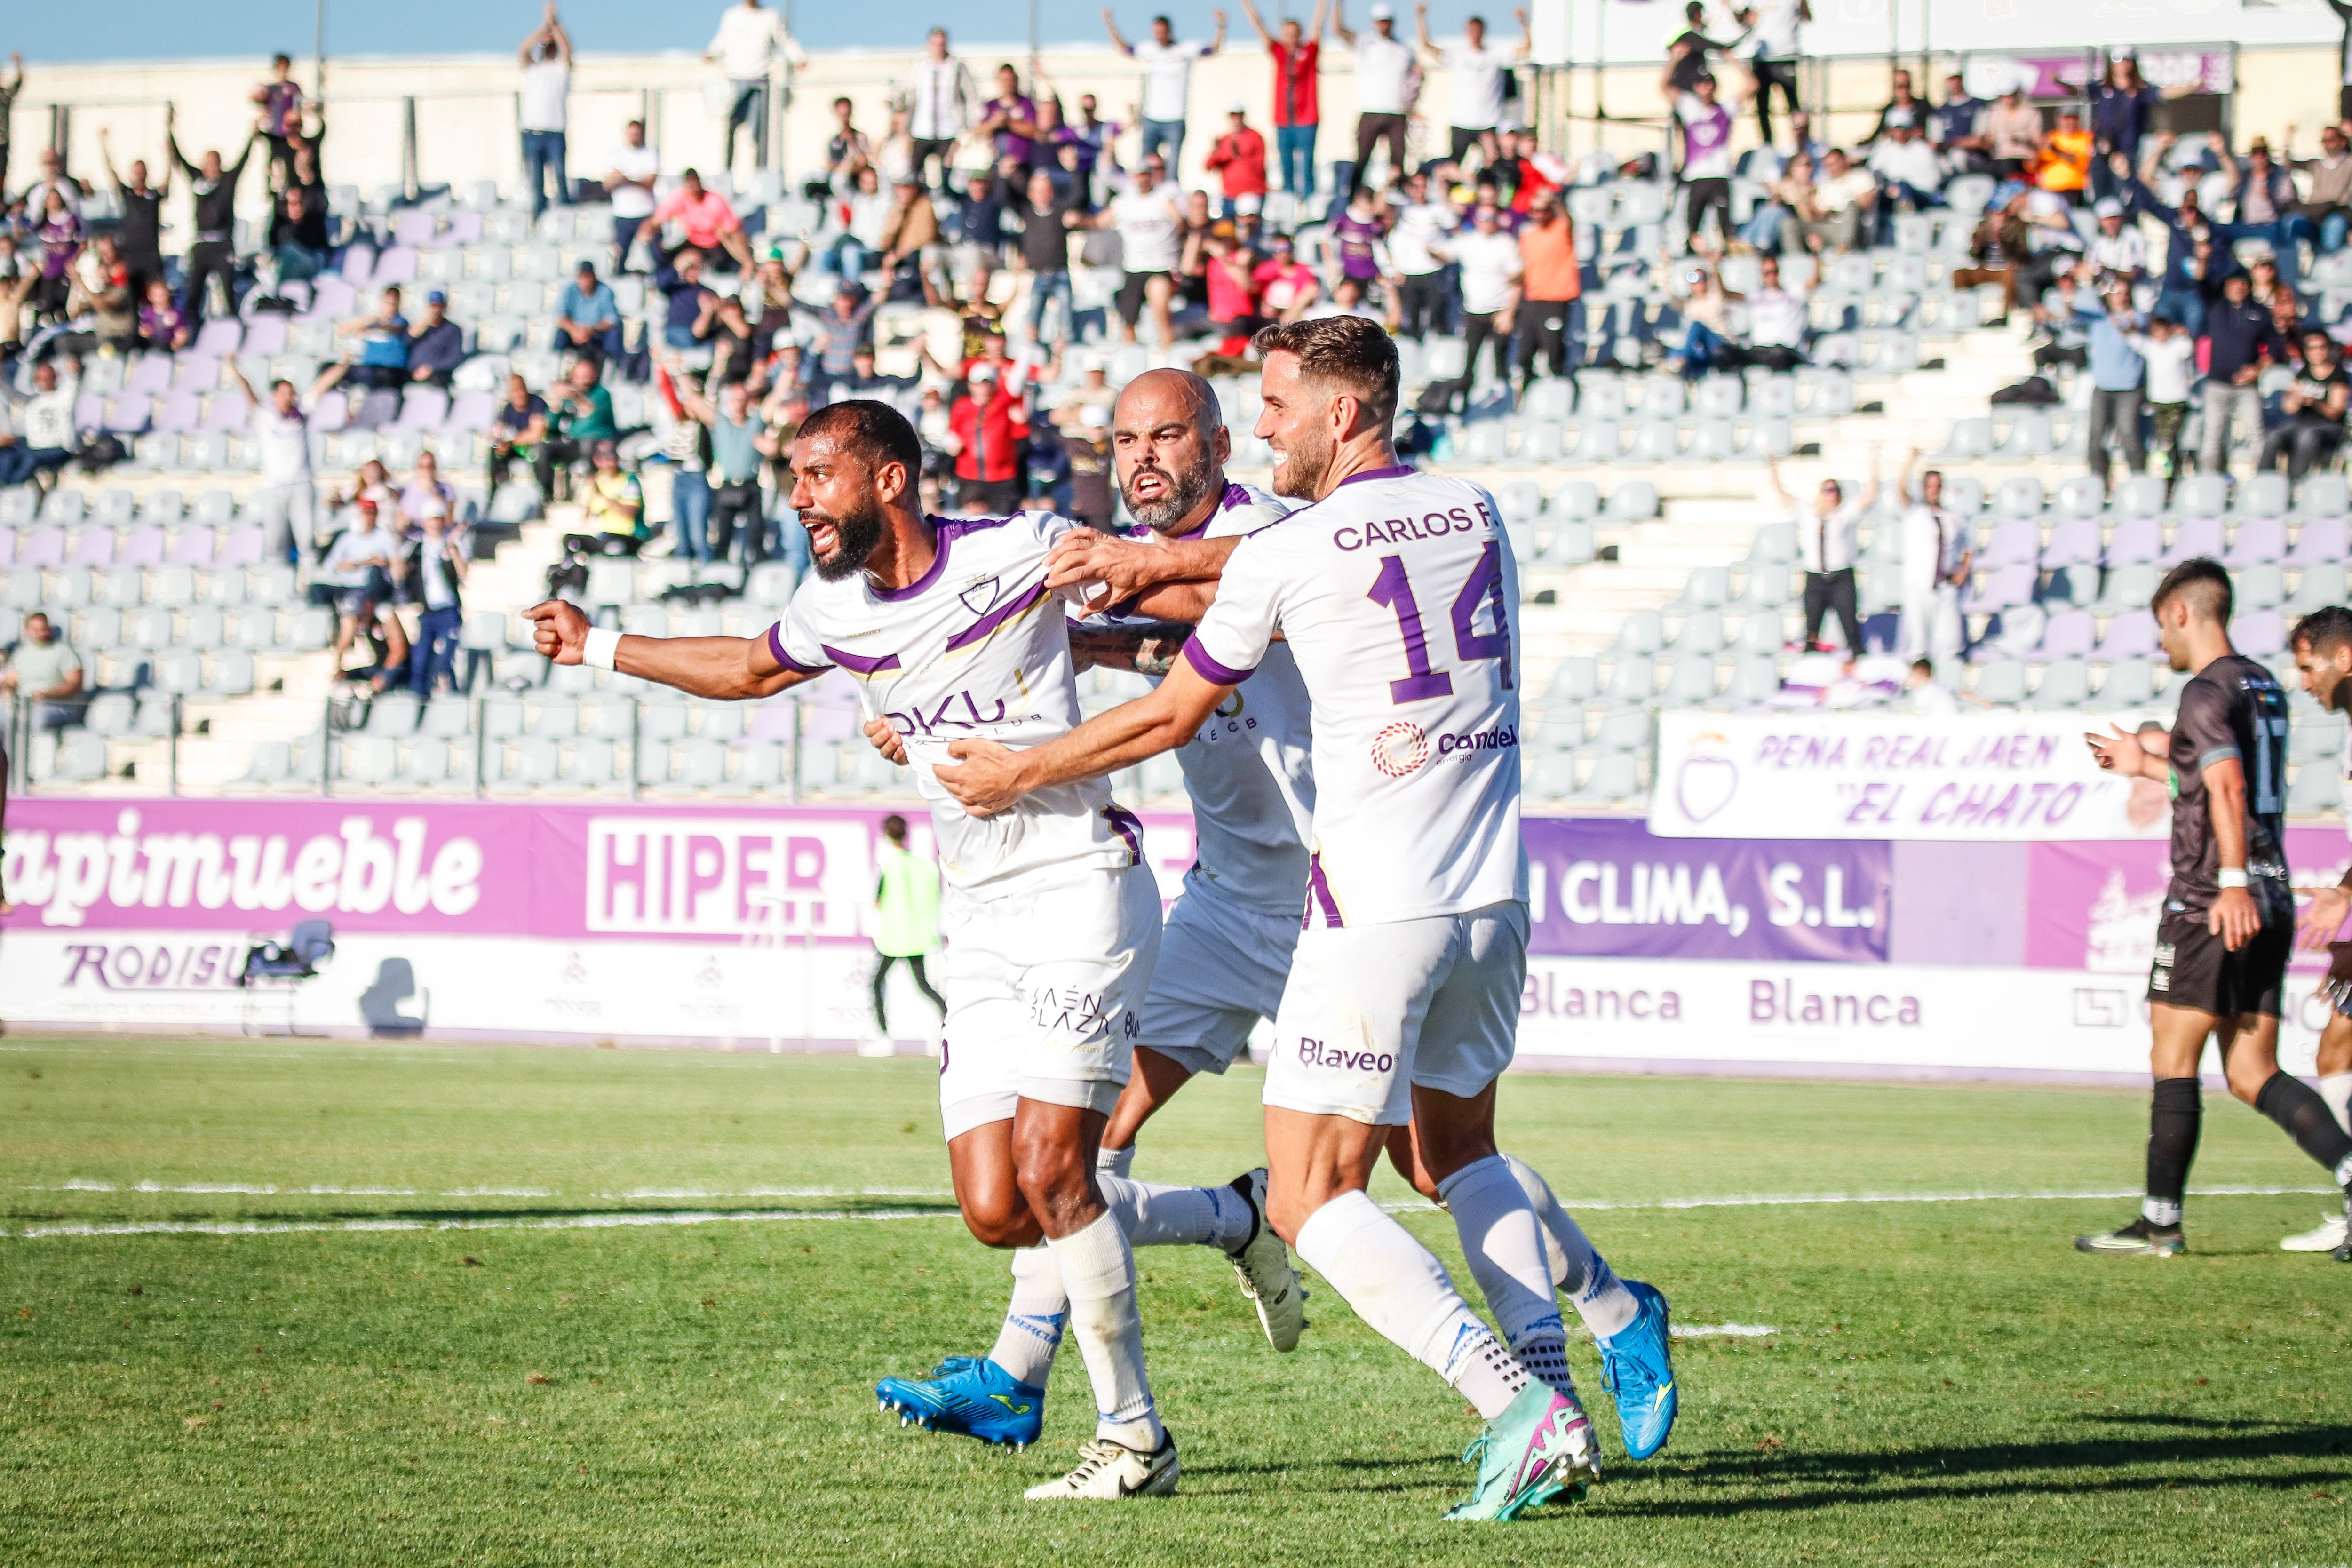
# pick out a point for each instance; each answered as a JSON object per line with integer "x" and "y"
{"x": 1306, "y": 460}
{"x": 857, "y": 533}
{"x": 1185, "y": 491}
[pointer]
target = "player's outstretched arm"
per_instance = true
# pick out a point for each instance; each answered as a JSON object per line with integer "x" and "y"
{"x": 987, "y": 778}
{"x": 2325, "y": 917}
{"x": 1127, "y": 567}
{"x": 704, "y": 667}
{"x": 1147, "y": 648}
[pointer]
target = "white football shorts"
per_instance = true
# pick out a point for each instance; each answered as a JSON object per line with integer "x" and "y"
{"x": 1221, "y": 968}
{"x": 1044, "y": 991}
{"x": 1372, "y": 1011}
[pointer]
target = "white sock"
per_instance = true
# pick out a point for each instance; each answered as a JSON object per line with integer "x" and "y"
{"x": 2335, "y": 1089}
{"x": 1033, "y": 1323}
{"x": 1154, "y": 1216}
{"x": 1400, "y": 1287}
{"x": 1117, "y": 1161}
{"x": 1505, "y": 1247}
{"x": 1583, "y": 1275}
{"x": 1097, "y": 1269}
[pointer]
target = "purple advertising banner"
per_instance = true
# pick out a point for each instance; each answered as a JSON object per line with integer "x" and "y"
{"x": 2095, "y": 906}
{"x": 1606, "y": 887}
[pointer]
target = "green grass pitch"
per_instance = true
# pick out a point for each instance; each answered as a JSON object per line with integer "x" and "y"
{"x": 1947, "y": 1382}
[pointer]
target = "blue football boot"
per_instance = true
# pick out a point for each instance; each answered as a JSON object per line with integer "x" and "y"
{"x": 968, "y": 1394}
{"x": 1638, "y": 1371}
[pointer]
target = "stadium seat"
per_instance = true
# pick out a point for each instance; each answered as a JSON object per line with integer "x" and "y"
{"x": 2001, "y": 682}
{"x": 2068, "y": 634}
{"x": 2128, "y": 684}
{"x": 1641, "y": 632}
{"x": 1633, "y": 677}
{"x": 1701, "y": 632}
{"x": 2136, "y": 541}
{"x": 2261, "y": 634}
{"x": 2128, "y": 637}
{"x": 2139, "y": 496}
{"x": 82, "y": 758}
{"x": 1615, "y": 778}
{"x": 1690, "y": 681}
{"x": 2199, "y": 495}
{"x": 2198, "y": 535}
{"x": 1636, "y": 500}
{"x": 2066, "y": 683}
{"x": 2260, "y": 587}
{"x": 2260, "y": 539}
{"x": 2318, "y": 588}
{"x": 2323, "y": 495}
{"x": 2316, "y": 792}
{"x": 2000, "y": 588}
{"x": 1577, "y": 501}
{"x": 2264, "y": 495}
{"x": 2015, "y": 539}
{"x": 2321, "y": 540}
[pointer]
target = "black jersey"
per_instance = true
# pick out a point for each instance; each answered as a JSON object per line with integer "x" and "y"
{"x": 2234, "y": 708}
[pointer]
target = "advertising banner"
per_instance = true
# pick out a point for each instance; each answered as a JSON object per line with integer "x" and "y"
{"x": 1983, "y": 777}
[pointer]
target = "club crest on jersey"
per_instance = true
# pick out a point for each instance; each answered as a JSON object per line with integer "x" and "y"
{"x": 980, "y": 595}
{"x": 1400, "y": 749}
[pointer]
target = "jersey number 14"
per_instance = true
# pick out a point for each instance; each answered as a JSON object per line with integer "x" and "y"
{"x": 1393, "y": 589}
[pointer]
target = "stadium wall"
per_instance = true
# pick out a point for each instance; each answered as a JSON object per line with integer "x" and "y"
{"x": 743, "y": 929}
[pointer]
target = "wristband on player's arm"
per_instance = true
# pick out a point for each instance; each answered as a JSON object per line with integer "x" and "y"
{"x": 601, "y": 645}
{"x": 2230, "y": 876}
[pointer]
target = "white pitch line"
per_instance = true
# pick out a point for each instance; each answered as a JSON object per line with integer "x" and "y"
{"x": 1722, "y": 1331}
{"x": 569, "y": 1222}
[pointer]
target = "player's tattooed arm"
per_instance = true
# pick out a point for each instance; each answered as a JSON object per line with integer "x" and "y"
{"x": 727, "y": 667}
{"x": 1147, "y": 648}
{"x": 1126, "y": 567}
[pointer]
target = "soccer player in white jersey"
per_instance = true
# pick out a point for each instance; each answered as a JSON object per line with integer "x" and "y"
{"x": 1404, "y": 995}
{"x": 1225, "y": 953}
{"x": 1051, "y": 919}
{"x": 2322, "y": 642}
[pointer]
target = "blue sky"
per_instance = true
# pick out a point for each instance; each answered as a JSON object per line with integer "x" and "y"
{"x": 151, "y": 29}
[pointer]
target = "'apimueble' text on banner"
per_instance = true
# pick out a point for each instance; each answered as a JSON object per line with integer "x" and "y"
{"x": 1887, "y": 775}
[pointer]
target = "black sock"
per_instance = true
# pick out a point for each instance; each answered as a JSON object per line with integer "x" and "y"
{"x": 2175, "y": 1112}
{"x": 2295, "y": 1106}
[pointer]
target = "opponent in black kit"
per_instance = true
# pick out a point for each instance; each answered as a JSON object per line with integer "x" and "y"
{"x": 2229, "y": 915}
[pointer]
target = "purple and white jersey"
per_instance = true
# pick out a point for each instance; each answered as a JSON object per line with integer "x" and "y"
{"x": 1250, "y": 769}
{"x": 976, "y": 648}
{"x": 1394, "y": 594}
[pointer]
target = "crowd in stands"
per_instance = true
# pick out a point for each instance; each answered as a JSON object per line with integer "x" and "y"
{"x": 998, "y": 255}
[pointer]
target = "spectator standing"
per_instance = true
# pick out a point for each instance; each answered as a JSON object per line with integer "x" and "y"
{"x": 280, "y": 101}
{"x": 2344, "y": 58}
{"x": 298, "y": 239}
{"x": 212, "y": 251}
{"x": 2267, "y": 205}
{"x": 1046, "y": 219}
{"x": 43, "y": 670}
{"x": 2123, "y": 113}
{"x": 2013, "y": 135}
{"x": 993, "y": 431}
{"x": 1826, "y": 546}
{"x": 632, "y": 169}
{"x": 287, "y": 501}
{"x": 1956, "y": 128}
{"x": 1297, "y": 57}
{"x": 2118, "y": 379}
{"x": 1937, "y": 562}
{"x": 943, "y": 101}
{"x": 2238, "y": 335}
{"x": 360, "y": 563}
{"x": 13, "y": 83}
{"x": 1151, "y": 228}
{"x": 690, "y": 304}
{"x": 1356, "y": 238}
{"x": 846, "y": 150}
{"x": 2170, "y": 353}
{"x": 845, "y": 326}
{"x": 1550, "y": 284}
{"x": 1167, "y": 62}
{"x": 437, "y": 577}
{"x": 1705, "y": 113}
{"x": 1085, "y": 445}
{"x": 588, "y": 315}
{"x": 750, "y": 45}
{"x": 1688, "y": 49}
{"x": 1009, "y": 120}
{"x": 1384, "y": 76}
{"x": 1238, "y": 159}
{"x": 1900, "y": 100}
{"x": 1490, "y": 267}
{"x": 2064, "y": 163}
{"x": 1425, "y": 295}
{"x": 546, "y": 57}
{"x": 2118, "y": 251}
{"x": 1478, "y": 75}
{"x": 909, "y": 237}
{"x": 141, "y": 232}
{"x": 2328, "y": 205}
{"x": 908, "y": 897}
{"x": 161, "y": 324}
{"x": 741, "y": 443}
{"x": 709, "y": 221}
{"x": 2197, "y": 254}
{"x": 2315, "y": 408}
{"x": 1775, "y": 27}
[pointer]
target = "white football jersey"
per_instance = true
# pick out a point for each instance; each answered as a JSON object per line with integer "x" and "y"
{"x": 1395, "y": 593}
{"x": 977, "y": 648}
{"x": 1250, "y": 771}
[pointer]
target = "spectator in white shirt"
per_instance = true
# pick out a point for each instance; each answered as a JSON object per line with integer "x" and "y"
{"x": 1909, "y": 171}
{"x": 45, "y": 439}
{"x": 1150, "y": 226}
{"x": 2170, "y": 350}
{"x": 359, "y": 562}
{"x": 1937, "y": 562}
{"x": 749, "y": 44}
{"x": 2119, "y": 251}
{"x": 1385, "y": 82}
{"x": 1167, "y": 62}
{"x": 942, "y": 102}
{"x": 546, "y": 84}
{"x": 1490, "y": 265}
{"x": 1478, "y": 80}
{"x": 629, "y": 177}
{"x": 1826, "y": 544}
{"x": 287, "y": 501}
{"x": 1777, "y": 321}
{"x": 1423, "y": 298}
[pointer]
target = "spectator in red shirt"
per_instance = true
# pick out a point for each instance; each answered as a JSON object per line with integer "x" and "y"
{"x": 709, "y": 223}
{"x": 993, "y": 431}
{"x": 1238, "y": 159}
{"x": 1298, "y": 110}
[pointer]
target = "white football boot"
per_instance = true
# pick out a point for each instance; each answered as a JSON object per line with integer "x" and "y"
{"x": 1263, "y": 1264}
{"x": 2326, "y": 1238}
{"x": 1109, "y": 1471}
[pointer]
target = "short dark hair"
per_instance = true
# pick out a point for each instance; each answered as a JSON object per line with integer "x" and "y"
{"x": 2203, "y": 583}
{"x": 1163, "y": 22}
{"x": 877, "y": 432}
{"x": 281, "y": 59}
{"x": 1348, "y": 353}
{"x": 839, "y": 102}
{"x": 2324, "y": 631}
{"x": 690, "y": 172}
{"x": 893, "y": 828}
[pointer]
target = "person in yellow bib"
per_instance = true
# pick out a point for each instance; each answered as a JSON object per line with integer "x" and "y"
{"x": 907, "y": 894}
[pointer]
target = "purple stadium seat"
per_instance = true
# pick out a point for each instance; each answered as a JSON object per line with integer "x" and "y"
{"x": 2131, "y": 636}
{"x": 7, "y": 547}
{"x": 2073, "y": 542}
{"x": 2259, "y": 634}
{"x": 2136, "y": 542}
{"x": 244, "y": 547}
{"x": 2260, "y": 540}
{"x": 265, "y": 335}
{"x": 219, "y": 337}
{"x": 2195, "y": 536}
{"x": 179, "y": 412}
{"x": 94, "y": 548}
{"x": 193, "y": 372}
{"x": 150, "y": 374}
{"x": 130, "y": 413}
{"x": 379, "y": 408}
{"x": 2016, "y": 539}
{"x": 2067, "y": 635}
{"x": 330, "y": 414}
{"x": 464, "y": 228}
{"x": 193, "y": 548}
{"x": 140, "y": 547}
{"x": 331, "y": 298}
{"x": 89, "y": 412}
{"x": 395, "y": 266}
{"x": 2004, "y": 587}
{"x": 229, "y": 413}
{"x": 2322, "y": 542}
{"x": 470, "y": 411}
{"x": 424, "y": 408}
{"x": 416, "y": 228}
{"x": 43, "y": 547}
{"x": 359, "y": 262}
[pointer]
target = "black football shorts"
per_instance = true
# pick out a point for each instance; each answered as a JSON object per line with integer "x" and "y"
{"x": 2193, "y": 969}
